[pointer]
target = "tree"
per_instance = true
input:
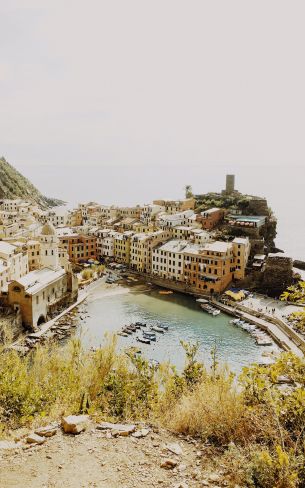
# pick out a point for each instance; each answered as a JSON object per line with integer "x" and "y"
{"x": 188, "y": 191}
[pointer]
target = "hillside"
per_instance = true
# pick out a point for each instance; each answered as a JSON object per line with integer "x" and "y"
{"x": 14, "y": 185}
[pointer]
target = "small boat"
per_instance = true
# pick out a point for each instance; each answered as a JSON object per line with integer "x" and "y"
{"x": 123, "y": 334}
{"x": 126, "y": 330}
{"x": 263, "y": 341}
{"x": 205, "y": 307}
{"x": 157, "y": 329}
{"x": 149, "y": 333}
{"x": 143, "y": 339}
{"x": 202, "y": 300}
{"x": 215, "y": 312}
{"x": 141, "y": 324}
{"x": 151, "y": 337}
{"x": 234, "y": 321}
{"x": 163, "y": 326}
{"x": 131, "y": 327}
{"x": 166, "y": 292}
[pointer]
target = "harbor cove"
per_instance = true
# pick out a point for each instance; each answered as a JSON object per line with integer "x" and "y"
{"x": 111, "y": 307}
{"x": 152, "y": 256}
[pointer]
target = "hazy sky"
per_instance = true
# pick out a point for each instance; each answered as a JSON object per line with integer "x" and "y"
{"x": 161, "y": 82}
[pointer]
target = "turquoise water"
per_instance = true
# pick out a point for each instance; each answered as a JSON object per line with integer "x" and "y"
{"x": 186, "y": 322}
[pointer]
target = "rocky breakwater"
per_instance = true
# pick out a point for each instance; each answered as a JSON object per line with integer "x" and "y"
{"x": 80, "y": 452}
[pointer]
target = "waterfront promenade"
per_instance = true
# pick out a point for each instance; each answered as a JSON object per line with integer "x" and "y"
{"x": 282, "y": 334}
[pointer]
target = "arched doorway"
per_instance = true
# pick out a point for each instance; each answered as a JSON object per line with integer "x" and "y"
{"x": 41, "y": 320}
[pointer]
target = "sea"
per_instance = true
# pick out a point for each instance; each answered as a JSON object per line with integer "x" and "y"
{"x": 106, "y": 312}
{"x": 283, "y": 186}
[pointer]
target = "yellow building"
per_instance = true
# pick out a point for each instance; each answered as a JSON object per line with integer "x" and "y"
{"x": 241, "y": 250}
{"x": 122, "y": 243}
{"x": 174, "y": 206}
{"x": 142, "y": 246}
{"x": 140, "y": 228}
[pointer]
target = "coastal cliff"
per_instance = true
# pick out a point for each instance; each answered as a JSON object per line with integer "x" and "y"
{"x": 14, "y": 185}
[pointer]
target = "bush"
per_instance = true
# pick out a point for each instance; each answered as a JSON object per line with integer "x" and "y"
{"x": 87, "y": 274}
{"x": 257, "y": 427}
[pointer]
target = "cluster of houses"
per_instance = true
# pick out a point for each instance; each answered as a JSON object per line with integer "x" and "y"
{"x": 166, "y": 239}
{"x": 36, "y": 276}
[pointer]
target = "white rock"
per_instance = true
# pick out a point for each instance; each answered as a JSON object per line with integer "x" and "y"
{"x": 47, "y": 431}
{"x": 214, "y": 477}
{"x": 35, "y": 439}
{"x": 74, "y": 424}
{"x": 141, "y": 433}
{"x": 174, "y": 448}
{"x": 117, "y": 429}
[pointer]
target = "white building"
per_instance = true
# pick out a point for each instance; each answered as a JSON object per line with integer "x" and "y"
{"x": 15, "y": 259}
{"x": 58, "y": 216}
{"x": 175, "y": 220}
{"x": 150, "y": 212}
{"x": 168, "y": 260}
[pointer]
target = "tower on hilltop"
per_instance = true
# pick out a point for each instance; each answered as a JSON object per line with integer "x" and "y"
{"x": 230, "y": 184}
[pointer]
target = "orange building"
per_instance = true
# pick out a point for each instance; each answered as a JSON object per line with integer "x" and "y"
{"x": 79, "y": 247}
{"x": 210, "y": 218}
{"x": 209, "y": 269}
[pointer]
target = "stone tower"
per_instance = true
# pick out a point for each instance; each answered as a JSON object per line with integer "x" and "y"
{"x": 230, "y": 183}
{"x": 49, "y": 247}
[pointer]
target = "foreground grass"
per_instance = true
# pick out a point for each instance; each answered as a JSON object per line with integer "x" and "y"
{"x": 252, "y": 427}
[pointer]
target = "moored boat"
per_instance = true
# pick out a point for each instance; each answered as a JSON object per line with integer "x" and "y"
{"x": 163, "y": 326}
{"x": 144, "y": 340}
{"x": 157, "y": 329}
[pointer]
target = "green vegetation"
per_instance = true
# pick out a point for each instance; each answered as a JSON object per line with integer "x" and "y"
{"x": 97, "y": 270}
{"x": 296, "y": 294}
{"x": 252, "y": 428}
{"x": 204, "y": 202}
{"x": 87, "y": 274}
{"x": 15, "y": 185}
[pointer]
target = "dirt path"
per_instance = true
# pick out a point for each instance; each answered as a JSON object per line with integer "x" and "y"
{"x": 90, "y": 459}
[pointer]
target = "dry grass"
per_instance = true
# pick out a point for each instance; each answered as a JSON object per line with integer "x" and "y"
{"x": 260, "y": 430}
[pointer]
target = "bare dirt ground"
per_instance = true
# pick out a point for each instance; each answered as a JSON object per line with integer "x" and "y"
{"x": 90, "y": 459}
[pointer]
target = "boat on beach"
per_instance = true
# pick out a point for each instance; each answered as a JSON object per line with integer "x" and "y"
{"x": 123, "y": 334}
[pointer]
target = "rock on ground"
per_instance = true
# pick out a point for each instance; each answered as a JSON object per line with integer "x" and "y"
{"x": 91, "y": 459}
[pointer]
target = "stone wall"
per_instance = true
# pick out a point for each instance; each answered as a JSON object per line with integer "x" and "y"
{"x": 258, "y": 206}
